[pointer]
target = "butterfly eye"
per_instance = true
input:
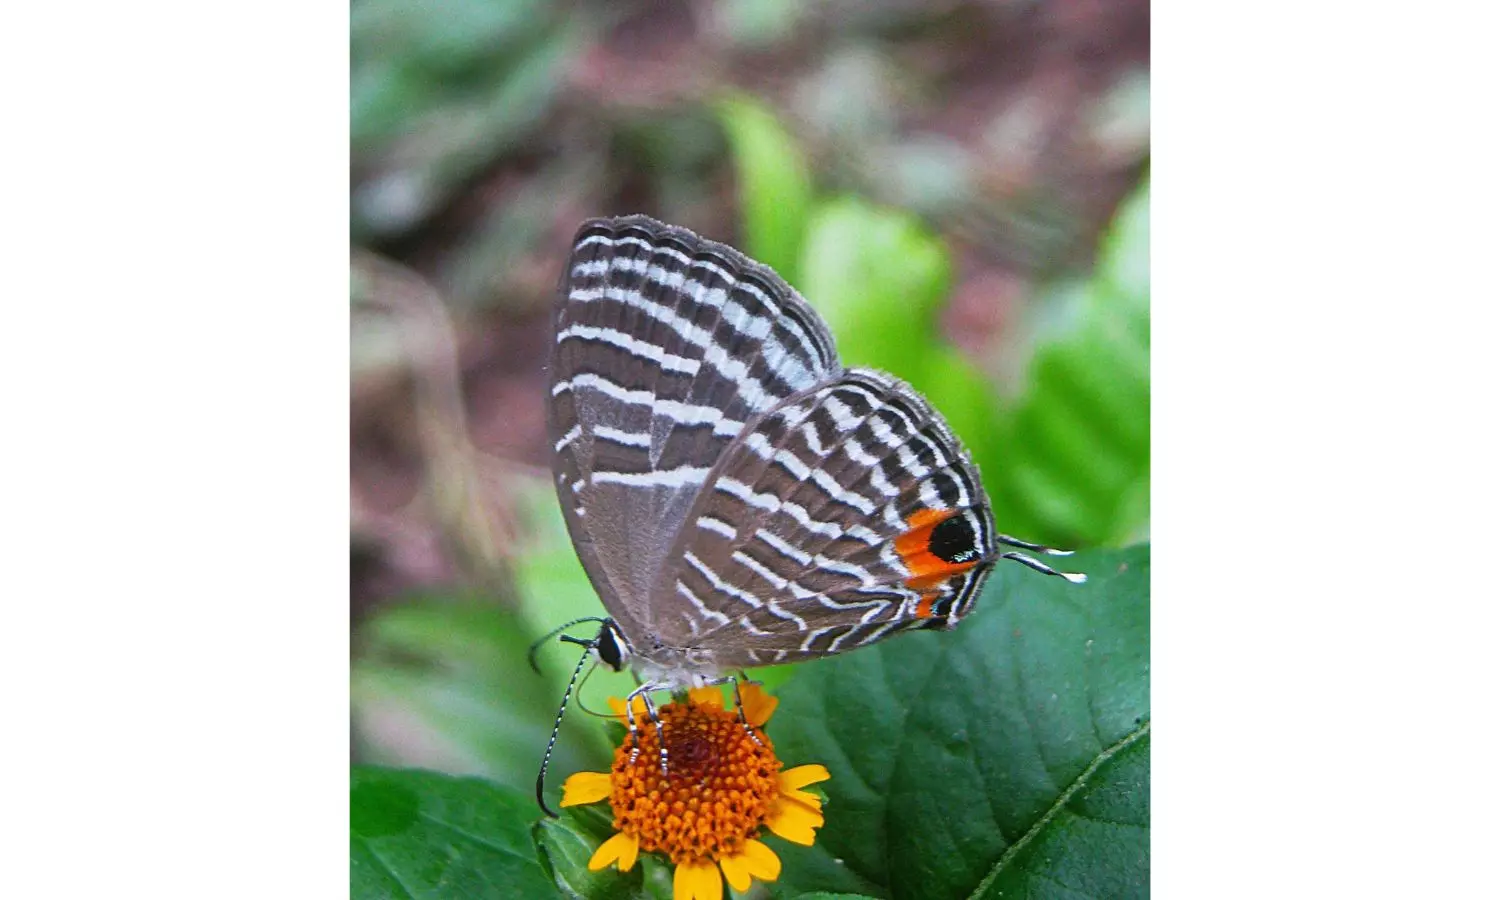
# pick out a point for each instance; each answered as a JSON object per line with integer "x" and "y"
{"x": 609, "y": 647}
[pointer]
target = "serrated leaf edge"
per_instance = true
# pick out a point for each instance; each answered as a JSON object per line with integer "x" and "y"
{"x": 1013, "y": 850}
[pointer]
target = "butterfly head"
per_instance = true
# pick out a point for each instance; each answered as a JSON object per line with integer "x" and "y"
{"x": 608, "y": 647}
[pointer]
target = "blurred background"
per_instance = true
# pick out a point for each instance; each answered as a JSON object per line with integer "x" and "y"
{"x": 959, "y": 187}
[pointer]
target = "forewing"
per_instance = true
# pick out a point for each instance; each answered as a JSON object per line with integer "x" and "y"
{"x": 847, "y": 514}
{"x": 664, "y": 346}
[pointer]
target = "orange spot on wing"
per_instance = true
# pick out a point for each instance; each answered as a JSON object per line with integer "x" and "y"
{"x": 924, "y": 606}
{"x": 927, "y": 569}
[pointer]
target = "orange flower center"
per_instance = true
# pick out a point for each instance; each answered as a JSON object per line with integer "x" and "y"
{"x": 718, "y": 791}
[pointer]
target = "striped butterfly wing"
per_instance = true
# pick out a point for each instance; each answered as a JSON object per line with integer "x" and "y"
{"x": 847, "y": 514}
{"x": 665, "y": 346}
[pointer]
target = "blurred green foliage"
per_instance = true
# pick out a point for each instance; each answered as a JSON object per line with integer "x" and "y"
{"x": 1072, "y": 464}
{"x": 437, "y": 89}
{"x": 455, "y": 673}
{"x": 775, "y": 188}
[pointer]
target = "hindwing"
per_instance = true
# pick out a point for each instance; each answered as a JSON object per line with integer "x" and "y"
{"x": 846, "y": 514}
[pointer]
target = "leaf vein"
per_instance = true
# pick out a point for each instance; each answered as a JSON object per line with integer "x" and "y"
{"x": 381, "y": 863}
{"x": 473, "y": 837}
{"x": 1031, "y": 730}
{"x": 1078, "y": 783}
{"x": 900, "y": 754}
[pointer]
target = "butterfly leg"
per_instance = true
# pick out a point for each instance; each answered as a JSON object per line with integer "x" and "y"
{"x": 635, "y": 734}
{"x": 661, "y": 738}
{"x": 739, "y": 705}
{"x": 644, "y": 692}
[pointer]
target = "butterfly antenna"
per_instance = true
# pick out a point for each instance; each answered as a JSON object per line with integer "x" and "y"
{"x": 1023, "y": 559}
{"x": 1009, "y": 541}
{"x": 537, "y": 644}
{"x": 541, "y": 775}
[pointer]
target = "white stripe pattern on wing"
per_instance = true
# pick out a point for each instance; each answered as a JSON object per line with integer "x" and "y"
{"x": 661, "y": 276}
{"x": 782, "y": 583}
{"x": 806, "y": 645}
{"x": 881, "y": 483}
{"x": 681, "y": 413}
{"x": 682, "y": 476}
{"x": 718, "y": 526}
{"x": 634, "y": 346}
{"x": 875, "y": 635}
{"x": 846, "y": 568}
{"x": 720, "y": 584}
{"x": 810, "y": 434}
{"x": 701, "y": 607}
{"x": 832, "y": 488}
{"x": 940, "y": 458}
{"x": 770, "y": 539}
{"x": 751, "y": 389}
{"x": 627, "y": 438}
{"x": 843, "y": 417}
{"x": 779, "y": 582}
{"x": 568, "y": 437}
{"x": 772, "y": 503}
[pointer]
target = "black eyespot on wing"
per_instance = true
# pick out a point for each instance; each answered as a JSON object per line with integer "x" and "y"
{"x": 953, "y": 540}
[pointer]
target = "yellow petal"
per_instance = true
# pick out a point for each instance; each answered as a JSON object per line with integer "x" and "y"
{"x": 762, "y": 860}
{"x": 758, "y": 704}
{"x": 795, "y": 821}
{"x": 697, "y": 880}
{"x": 802, "y": 776}
{"x": 812, "y": 800}
{"x": 707, "y": 696}
{"x": 754, "y": 860}
{"x": 638, "y": 705}
{"x": 622, "y": 847}
{"x": 736, "y": 871}
{"x": 628, "y": 855}
{"x": 586, "y": 787}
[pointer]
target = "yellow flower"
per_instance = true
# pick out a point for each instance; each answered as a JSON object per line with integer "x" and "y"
{"x": 706, "y": 814}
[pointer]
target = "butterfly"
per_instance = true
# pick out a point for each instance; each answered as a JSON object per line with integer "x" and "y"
{"x": 736, "y": 495}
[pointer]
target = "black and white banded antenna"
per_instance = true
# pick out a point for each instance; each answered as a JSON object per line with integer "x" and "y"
{"x": 562, "y": 708}
{"x": 537, "y": 644}
{"x": 1038, "y": 565}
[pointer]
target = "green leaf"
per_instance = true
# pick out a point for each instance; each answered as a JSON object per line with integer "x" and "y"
{"x": 566, "y": 845}
{"x": 775, "y": 189}
{"x": 421, "y": 834}
{"x": 1007, "y": 758}
{"x": 1071, "y": 464}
